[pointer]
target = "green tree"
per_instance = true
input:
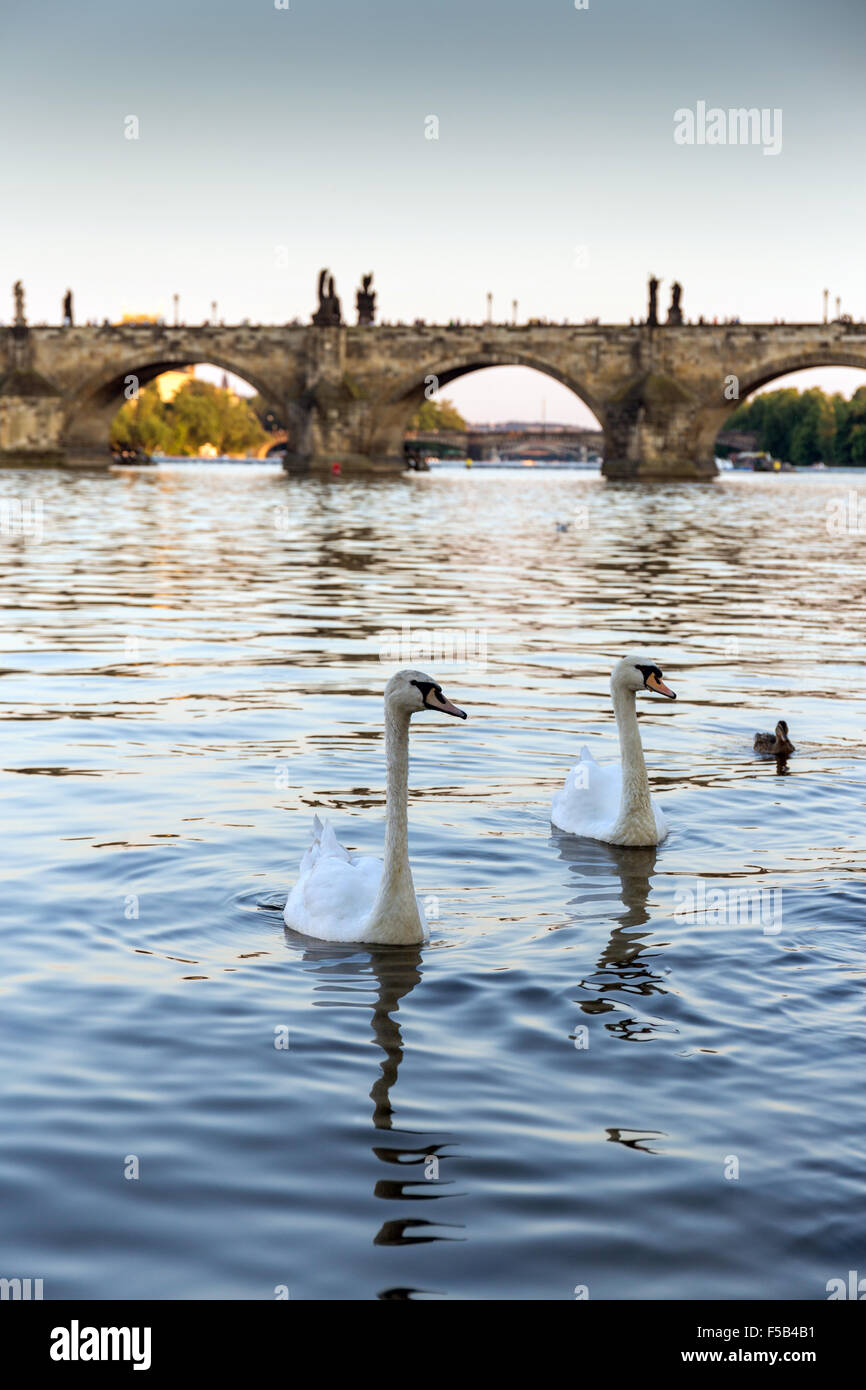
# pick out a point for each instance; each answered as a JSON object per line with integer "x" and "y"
{"x": 851, "y": 429}
{"x": 857, "y": 446}
{"x": 815, "y": 430}
{"x": 141, "y": 423}
{"x": 437, "y": 415}
{"x": 205, "y": 414}
{"x": 805, "y": 426}
{"x": 199, "y": 414}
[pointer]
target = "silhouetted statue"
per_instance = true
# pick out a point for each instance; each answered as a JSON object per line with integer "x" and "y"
{"x": 67, "y": 309}
{"x": 365, "y": 300}
{"x": 675, "y": 313}
{"x": 653, "y": 317}
{"x": 328, "y": 314}
{"x": 18, "y": 292}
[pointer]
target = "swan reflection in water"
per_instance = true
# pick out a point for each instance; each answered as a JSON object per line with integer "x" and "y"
{"x": 394, "y": 971}
{"x": 623, "y": 967}
{"x": 624, "y": 964}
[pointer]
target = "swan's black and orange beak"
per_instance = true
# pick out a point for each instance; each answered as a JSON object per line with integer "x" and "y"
{"x": 654, "y": 682}
{"x": 433, "y": 698}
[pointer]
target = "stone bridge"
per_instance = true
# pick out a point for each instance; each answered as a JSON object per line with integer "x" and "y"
{"x": 346, "y": 393}
{"x": 555, "y": 441}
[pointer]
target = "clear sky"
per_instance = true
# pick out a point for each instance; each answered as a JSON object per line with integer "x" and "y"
{"x": 273, "y": 142}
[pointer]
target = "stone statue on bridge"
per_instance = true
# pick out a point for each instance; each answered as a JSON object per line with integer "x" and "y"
{"x": 365, "y": 300}
{"x": 653, "y": 315}
{"x": 18, "y": 293}
{"x": 67, "y": 309}
{"x": 675, "y": 313}
{"x": 329, "y": 313}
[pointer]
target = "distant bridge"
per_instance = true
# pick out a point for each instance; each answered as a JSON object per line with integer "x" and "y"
{"x": 346, "y": 394}
{"x": 557, "y": 443}
{"x": 275, "y": 443}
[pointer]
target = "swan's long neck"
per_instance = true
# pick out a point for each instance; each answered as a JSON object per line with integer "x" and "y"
{"x": 635, "y": 800}
{"x": 395, "y": 914}
{"x": 397, "y": 797}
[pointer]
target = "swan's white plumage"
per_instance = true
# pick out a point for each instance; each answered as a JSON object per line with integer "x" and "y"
{"x": 612, "y": 802}
{"x": 335, "y": 890}
{"x": 589, "y": 802}
{"x": 340, "y": 896}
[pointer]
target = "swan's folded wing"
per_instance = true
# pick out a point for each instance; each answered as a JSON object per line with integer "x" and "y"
{"x": 590, "y": 797}
{"x": 596, "y": 785}
{"x": 604, "y": 788}
{"x": 334, "y": 898}
{"x": 324, "y": 845}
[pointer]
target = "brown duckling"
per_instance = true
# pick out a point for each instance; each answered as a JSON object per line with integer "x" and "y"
{"x": 778, "y": 743}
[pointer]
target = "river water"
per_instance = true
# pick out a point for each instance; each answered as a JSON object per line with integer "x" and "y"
{"x": 600, "y": 1075}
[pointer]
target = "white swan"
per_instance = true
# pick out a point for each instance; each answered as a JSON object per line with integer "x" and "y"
{"x": 613, "y": 802}
{"x": 347, "y": 897}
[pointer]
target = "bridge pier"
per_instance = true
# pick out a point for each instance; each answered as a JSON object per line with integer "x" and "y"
{"x": 331, "y": 418}
{"x": 86, "y": 439}
{"x": 652, "y": 433}
{"x": 31, "y": 407}
{"x": 31, "y": 426}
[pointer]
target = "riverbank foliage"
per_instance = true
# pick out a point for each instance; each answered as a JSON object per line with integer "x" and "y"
{"x": 804, "y": 427}
{"x": 199, "y": 414}
{"x": 437, "y": 415}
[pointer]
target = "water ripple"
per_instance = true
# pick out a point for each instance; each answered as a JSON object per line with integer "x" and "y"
{"x": 572, "y": 1067}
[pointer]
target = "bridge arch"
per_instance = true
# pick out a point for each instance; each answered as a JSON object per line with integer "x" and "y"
{"x": 276, "y": 443}
{"x": 91, "y": 408}
{"x": 713, "y": 417}
{"x": 394, "y": 410}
